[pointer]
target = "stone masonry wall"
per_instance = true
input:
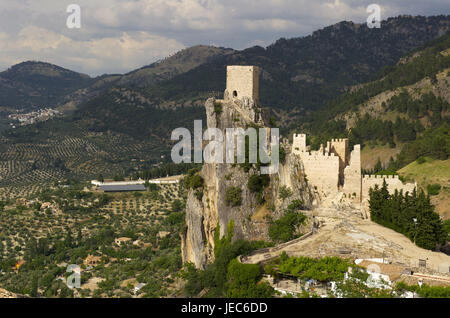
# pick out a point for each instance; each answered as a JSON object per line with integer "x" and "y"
{"x": 299, "y": 144}
{"x": 393, "y": 182}
{"x": 352, "y": 176}
{"x": 322, "y": 171}
{"x": 244, "y": 80}
{"x": 341, "y": 149}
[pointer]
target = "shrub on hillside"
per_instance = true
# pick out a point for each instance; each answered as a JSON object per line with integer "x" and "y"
{"x": 233, "y": 197}
{"x": 285, "y": 228}
{"x": 257, "y": 183}
{"x": 433, "y": 189}
{"x": 284, "y": 192}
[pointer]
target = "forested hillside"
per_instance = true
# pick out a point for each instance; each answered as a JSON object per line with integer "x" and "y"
{"x": 36, "y": 84}
{"x": 408, "y": 104}
{"x": 304, "y": 73}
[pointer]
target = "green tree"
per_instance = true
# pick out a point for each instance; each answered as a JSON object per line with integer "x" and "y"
{"x": 34, "y": 286}
{"x": 242, "y": 281}
{"x": 176, "y": 205}
{"x": 233, "y": 197}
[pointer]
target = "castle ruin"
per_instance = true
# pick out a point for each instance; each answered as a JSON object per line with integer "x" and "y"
{"x": 333, "y": 169}
{"x": 315, "y": 178}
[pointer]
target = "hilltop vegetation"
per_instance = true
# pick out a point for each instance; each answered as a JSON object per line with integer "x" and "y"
{"x": 431, "y": 174}
{"x": 36, "y": 84}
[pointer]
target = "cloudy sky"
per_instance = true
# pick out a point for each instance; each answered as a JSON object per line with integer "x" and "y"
{"x": 117, "y": 36}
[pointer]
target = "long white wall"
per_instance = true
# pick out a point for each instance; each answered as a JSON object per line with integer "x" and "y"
{"x": 393, "y": 183}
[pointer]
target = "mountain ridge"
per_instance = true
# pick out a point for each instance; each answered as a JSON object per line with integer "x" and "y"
{"x": 298, "y": 73}
{"x": 122, "y": 124}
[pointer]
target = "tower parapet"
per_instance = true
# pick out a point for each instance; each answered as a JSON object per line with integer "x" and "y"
{"x": 352, "y": 175}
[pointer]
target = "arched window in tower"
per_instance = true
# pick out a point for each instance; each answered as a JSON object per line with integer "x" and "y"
{"x": 234, "y": 94}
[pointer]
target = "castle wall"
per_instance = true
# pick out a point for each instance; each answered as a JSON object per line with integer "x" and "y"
{"x": 341, "y": 149}
{"x": 244, "y": 80}
{"x": 352, "y": 176}
{"x": 322, "y": 171}
{"x": 333, "y": 166}
{"x": 393, "y": 183}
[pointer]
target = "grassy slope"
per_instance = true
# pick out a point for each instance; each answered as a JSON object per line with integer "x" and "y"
{"x": 371, "y": 154}
{"x": 431, "y": 172}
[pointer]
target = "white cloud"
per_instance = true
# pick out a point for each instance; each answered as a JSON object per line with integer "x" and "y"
{"x": 118, "y": 35}
{"x": 94, "y": 56}
{"x": 269, "y": 24}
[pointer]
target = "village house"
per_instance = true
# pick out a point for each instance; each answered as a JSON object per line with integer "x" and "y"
{"x": 92, "y": 260}
{"x": 46, "y": 205}
{"x": 382, "y": 274}
{"x": 119, "y": 241}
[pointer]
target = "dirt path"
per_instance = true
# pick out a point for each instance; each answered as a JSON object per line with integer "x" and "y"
{"x": 352, "y": 237}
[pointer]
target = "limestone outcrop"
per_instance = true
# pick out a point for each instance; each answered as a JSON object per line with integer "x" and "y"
{"x": 205, "y": 215}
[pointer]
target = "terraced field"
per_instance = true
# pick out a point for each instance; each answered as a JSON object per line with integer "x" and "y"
{"x": 148, "y": 202}
{"x": 35, "y": 164}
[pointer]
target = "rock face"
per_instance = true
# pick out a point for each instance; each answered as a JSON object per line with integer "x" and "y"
{"x": 203, "y": 216}
{"x": 7, "y": 294}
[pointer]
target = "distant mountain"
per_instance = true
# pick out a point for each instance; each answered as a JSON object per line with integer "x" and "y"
{"x": 160, "y": 71}
{"x": 177, "y": 64}
{"x": 37, "y": 84}
{"x": 300, "y": 73}
{"x": 414, "y": 94}
{"x": 121, "y": 123}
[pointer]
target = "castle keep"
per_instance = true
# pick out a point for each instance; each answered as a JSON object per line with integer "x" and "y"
{"x": 333, "y": 169}
{"x": 243, "y": 83}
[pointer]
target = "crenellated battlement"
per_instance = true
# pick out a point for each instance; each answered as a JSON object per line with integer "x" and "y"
{"x": 340, "y": 140}
{"x": 334, "y": 168}
{"x": 380, "y": 177}
{"x": 317, "y": 156}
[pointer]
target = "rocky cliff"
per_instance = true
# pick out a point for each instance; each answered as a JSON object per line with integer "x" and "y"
{"x": 250, "y": 218}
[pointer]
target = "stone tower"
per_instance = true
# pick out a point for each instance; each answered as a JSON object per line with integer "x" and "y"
{"x": 352, "y": 175}
{"x": 243, "y": 83}
{"x": 340, "y": 148}
{"x": 299, "y": 144}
